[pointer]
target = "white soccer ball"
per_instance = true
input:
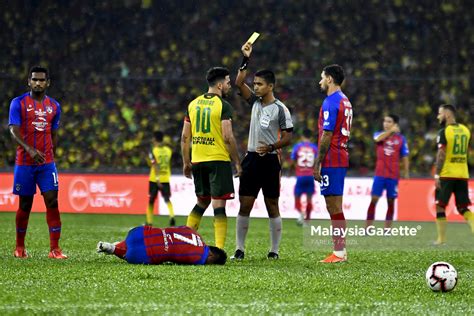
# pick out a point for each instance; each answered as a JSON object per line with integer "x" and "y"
{"x": 441, "y": 276}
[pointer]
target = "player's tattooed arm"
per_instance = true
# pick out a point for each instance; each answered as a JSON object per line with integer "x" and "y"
{"x": 186, "y": 149}
{"x": 324, "y": 144}
{"x": 37, "y": 155}
{"x": 440, "y": 159}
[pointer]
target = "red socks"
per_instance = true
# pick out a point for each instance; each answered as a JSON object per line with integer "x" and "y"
{"x": 390, "y": 212}
{"x": 371, "y": 212}
{"x": 120, "y": 249}
{"x": 21, "y": 226}
{"x": 54, "y": 223}
{"x": 309, "y": 208}
{"x": 298, "y": 203}
{"x": 338, "y": 222}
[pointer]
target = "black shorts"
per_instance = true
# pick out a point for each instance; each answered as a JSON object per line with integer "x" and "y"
{"x": 449, "y": 186}
{"x": 153, "y": 190}
{"x": 213, "y": 179}
{"x": 260, "y": 172}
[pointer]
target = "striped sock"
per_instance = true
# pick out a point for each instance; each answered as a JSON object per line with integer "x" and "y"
{"x": 149, "y": 214}
{"x": 194, "y": 218}
{"x": 220, "y": 226}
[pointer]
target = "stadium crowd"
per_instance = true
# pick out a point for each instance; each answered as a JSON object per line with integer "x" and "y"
{"x": 124, "y": 69}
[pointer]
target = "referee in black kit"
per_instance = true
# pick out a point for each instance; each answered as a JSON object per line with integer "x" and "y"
{"x": 261, "y": 166}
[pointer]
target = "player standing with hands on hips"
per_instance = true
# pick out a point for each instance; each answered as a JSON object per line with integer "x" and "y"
{"x": 335, "y": 120}
{"x": 261, "y": 166}
{"x": 33, "y": 123}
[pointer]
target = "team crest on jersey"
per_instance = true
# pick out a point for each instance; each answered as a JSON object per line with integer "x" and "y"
{"x": 49, "y": 109}
{"x": 326, "y": 115}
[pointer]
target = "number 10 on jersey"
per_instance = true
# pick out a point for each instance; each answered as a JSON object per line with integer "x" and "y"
{"x": 203, "y": 121}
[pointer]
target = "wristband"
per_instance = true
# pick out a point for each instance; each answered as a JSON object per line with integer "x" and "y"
{"x": 245, "y": 62}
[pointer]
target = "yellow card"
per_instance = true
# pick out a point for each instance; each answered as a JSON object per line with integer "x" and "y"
{"x": 253, "y": 38}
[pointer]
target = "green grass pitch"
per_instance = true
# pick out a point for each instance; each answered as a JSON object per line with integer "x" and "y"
{"x": 373, "y": 281}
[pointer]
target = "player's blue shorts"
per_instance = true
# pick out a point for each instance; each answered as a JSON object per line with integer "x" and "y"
{"x": 382, "y": 183}
{"x": 136, "y": 251}
{"x": 332, "y": 181}
{"x": 304, "y": 185}
{"x": 25, "y": 179}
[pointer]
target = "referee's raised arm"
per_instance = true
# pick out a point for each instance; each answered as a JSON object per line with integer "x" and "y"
{"x": 244, "y": 89}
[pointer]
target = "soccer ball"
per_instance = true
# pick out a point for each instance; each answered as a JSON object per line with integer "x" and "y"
{"x": 441, "y": 276}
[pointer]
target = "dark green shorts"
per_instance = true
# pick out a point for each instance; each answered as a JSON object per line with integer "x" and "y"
{"x": 450, "y": 186}
{"x": 213, "y": 179}
{"x": 153, "y": 190}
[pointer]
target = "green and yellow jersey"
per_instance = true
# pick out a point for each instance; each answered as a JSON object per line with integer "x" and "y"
{"x": 161, "y": 155}
{"x": 455, "y": 139}
{"x": 205, "y": 114}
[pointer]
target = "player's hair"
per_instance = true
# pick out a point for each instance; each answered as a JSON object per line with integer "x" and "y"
{"x": 307, "y": 133}
{"x": 158, "y": 136}
{"x": 216, "y": 74}
{"x": 394, "y": 117}
{"x": 448, "y": 107}
{"x": 219, "y": 255}
{"x": 336, "y": 72}
{"x": 266, "y": 75}
{"x": 38, "y": 69}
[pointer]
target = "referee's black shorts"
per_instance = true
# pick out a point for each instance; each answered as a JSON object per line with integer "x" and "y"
{"x": 260, "y": 172}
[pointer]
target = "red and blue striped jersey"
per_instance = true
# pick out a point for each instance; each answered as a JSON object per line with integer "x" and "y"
{"x": 36, "y": 121}
{"x": 336, "y": 116}
{"x": 304, "y": 155}
{"x": 389, "y": 152}
{"x": 174, "y": 244}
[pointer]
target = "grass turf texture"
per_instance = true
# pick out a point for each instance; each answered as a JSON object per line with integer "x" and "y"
{"x": 373, "y": 281}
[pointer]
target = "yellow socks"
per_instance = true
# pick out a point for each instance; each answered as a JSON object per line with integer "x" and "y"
{"x": 149, "y": 214}
{"x": 170, "y": 208}
{"x": 469, "y": 217}
{"x": 441, "y": 228}
{"x": 194, "y": 218}
{"x": 220, "y": 227}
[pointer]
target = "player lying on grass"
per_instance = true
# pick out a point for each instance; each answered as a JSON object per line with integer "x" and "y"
{"x": 153, "y": 245}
